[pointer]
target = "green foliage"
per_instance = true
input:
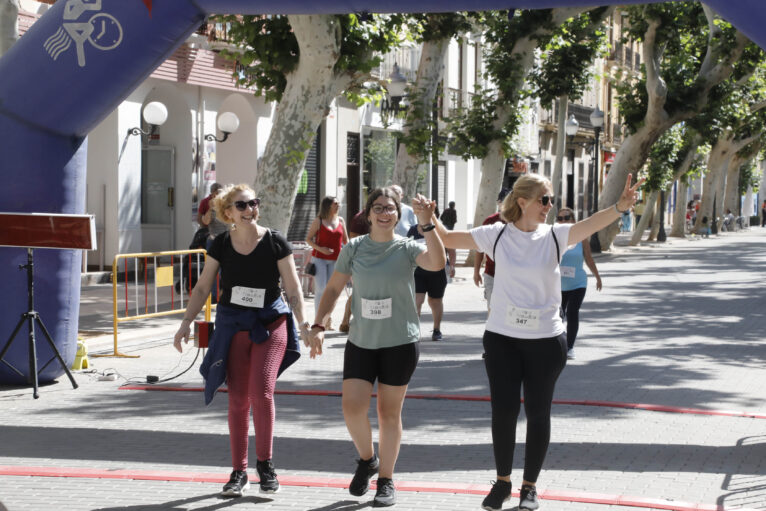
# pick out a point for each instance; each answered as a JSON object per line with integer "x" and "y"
{"x": 663, "y": 159}
{"x": 567, "y": 58}
{"x": 681, "y": 44}
{"x": 749, "y": 177}
{"x": 270, "y": 51}
{"x": 474, "y": 128}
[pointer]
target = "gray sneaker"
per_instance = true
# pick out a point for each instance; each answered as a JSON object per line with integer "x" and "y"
{"x": 571, "y": 354}
{"x": 386, "y": 494}
{"x": 528, "y": 497}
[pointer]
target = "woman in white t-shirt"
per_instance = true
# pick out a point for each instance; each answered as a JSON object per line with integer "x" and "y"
{"x": 525, "y": 339}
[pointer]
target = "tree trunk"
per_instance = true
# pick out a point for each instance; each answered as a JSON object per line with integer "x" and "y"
{"x": 679, "y": 216}
{"x": 717, "y": 65}
{"x": 494, "y": 161}
{"x": 645, "y": 219}
{"x": 9, "y": 24}
{"x": 430, "y": 72}
{"x": 308, "y": 94}
{"x": 655, "y": 230}
{"x": 731, "y": 196}
{"x": 561, "y": 142}
{"x": 492, "y": 167}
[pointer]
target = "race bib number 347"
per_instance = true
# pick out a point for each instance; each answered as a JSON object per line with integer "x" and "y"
{"x": 376, "y": 309}
{"x": 527, "y": 319}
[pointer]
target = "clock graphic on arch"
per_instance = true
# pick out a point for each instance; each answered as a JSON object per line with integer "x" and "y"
{"x": 106, "y": 33}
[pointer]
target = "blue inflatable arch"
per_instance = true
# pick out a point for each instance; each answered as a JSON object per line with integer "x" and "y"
{"x": 76, "y": 64}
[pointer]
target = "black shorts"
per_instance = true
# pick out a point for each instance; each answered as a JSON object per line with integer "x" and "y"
{"x": 432, "y": 282}
{"x": 391, "y": 366}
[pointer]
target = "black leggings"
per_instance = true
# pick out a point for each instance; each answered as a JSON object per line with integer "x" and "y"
{"x": 535, "y": 364}
{"x": 570, "y": 307}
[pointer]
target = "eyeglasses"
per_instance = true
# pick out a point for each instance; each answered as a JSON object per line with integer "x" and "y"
{"x": 243, "y": 205}
{"x": 378, "y": 209}
{"x": 563, "y": 218}
{"x": 545, "y": 200}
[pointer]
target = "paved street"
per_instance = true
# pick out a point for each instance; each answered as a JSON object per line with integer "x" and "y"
{"x": 678, "y": 328}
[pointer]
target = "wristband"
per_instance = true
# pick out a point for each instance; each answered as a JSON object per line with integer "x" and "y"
{"x": 428, "y": 227}
{"x": 618, "y": 209}
{"x": 318, "y": 326}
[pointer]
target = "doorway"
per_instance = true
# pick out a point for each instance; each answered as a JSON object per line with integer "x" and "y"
{"x": 157, "y": 198}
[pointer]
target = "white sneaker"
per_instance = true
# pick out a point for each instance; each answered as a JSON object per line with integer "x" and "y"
{"x": 571, "y": 354}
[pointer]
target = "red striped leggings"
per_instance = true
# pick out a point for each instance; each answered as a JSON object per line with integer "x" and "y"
{"x": 251, "y": 377}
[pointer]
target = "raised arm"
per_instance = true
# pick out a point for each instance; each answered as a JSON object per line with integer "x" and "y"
{"x": 454, "y": 239}
{"x": 433, "y": 258}
{"x": 594, "y": 223}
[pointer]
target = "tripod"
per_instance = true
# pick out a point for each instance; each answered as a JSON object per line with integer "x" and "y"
{"x": 31, "y": 316}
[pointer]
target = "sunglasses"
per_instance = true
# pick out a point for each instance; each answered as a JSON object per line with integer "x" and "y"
{"x": 563, "y": 218}
{"x": 243, "y": 205}
{"x": 545, "y": 200}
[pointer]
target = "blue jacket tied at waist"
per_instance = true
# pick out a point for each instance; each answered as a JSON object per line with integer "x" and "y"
{"x": 229, "y": 321}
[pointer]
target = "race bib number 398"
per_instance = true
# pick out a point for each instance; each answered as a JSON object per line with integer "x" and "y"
{"x": 248, "y": 296}
{"x": 527, "y": 319}
{"x": 376, "y": 309}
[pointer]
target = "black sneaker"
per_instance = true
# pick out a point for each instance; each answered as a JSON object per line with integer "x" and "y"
{"x": 436, "y": 336}
{"x": 500, "y": 492}
{"x": 528, "y": 496}
{"x": 237, "y": 484}
{"x": 267, "y": 477}
{"x": 386, "y": 494}
{"x": 365, "y": 469}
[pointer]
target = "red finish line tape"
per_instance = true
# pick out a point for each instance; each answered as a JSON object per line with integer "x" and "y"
{"x": 462, "y": 397}
{"x": 334, "y": 482}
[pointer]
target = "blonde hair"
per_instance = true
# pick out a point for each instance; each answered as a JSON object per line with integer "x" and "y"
{"x": 225, "y": 200}
{"x": 528, "y": 187}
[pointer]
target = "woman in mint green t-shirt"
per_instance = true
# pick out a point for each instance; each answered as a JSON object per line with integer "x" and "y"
{"x": 383, "y": 336}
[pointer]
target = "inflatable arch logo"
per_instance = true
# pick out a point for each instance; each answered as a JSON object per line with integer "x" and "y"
{"x": 101, "y": 30}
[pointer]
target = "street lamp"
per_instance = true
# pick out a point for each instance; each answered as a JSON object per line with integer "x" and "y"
{"x": 228, "y": 123}
{"x": 155, "y": 114}
{"x": 396, "y": 88}
{"x": 571, "y": 127}
{"x": 597, "y": 121}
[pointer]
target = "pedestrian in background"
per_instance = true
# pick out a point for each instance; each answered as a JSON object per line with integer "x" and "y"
{"x": 449, "y": 217}
{"x": 407, "y": 218}
{"x": 357, "y": 227}
{"x": 383, "y": 340}
{"x": 763, "y": 214}
{"x": 433, "y": 284}
{"x": 489, "y": 267}
{"x": 206, "y": 215}
{"x": 574, "y": 281}
{"x": 326, "y": 236}
{"x": 525, "y": 340}
{"x": 255, "y": 337}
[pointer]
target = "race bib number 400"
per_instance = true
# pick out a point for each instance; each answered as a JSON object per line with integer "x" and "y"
{"x": 376, "y": 309}
{"x": 528, "y": 319}
{"x": 248, "y": 296}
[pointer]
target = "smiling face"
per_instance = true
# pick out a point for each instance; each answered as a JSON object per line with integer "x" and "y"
{"x": 535, "y": 210}
{"x": 250, "y": 213}
{"x": 382, "y": 214}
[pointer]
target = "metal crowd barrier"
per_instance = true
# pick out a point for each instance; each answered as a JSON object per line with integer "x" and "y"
{"x": 144, "y": 282}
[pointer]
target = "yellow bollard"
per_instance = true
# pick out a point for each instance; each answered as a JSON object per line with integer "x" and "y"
{"x": 81, "y": 358}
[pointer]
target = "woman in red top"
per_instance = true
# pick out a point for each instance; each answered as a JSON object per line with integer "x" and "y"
{"x": 326, "y": 236}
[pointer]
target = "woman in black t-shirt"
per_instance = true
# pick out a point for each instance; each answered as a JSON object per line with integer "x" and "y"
{"x": 254, "y": 337}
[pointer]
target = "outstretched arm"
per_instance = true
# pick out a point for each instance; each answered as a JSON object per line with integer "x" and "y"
{"x": 594, "y": 223}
